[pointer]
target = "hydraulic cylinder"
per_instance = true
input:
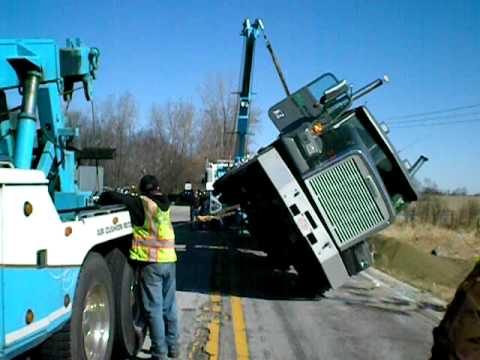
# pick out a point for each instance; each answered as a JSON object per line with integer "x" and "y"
{"x": 26, "y": 125}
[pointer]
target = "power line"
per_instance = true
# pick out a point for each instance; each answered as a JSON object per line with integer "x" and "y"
{"x": 411, "y": 144}
{"x": 434, "y": 112}
{"x": 401, "y": 126}
{"x": 435, "y": 118}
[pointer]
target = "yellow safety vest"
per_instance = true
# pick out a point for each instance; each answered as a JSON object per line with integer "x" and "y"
{"x": 155, "y": 240}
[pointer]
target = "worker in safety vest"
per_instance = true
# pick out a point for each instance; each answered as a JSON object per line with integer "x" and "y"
{"x": 153, "y": 248}
{"x": 458, "y": 334}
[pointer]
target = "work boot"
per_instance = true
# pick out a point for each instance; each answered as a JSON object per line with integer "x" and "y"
{"x": 173, "y": 352}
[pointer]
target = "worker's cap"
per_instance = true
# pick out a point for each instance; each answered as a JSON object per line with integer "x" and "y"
{"x": 149, "y": 183}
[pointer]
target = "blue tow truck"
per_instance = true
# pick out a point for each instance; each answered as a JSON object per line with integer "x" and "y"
{"x": 67, "y": 288}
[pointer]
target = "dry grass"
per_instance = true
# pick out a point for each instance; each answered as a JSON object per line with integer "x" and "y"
{"x": 460, "y": 244}
{"x": 456, "y": 202}
{"x": 405, "y": 248}
{"x": 436, "y": 274}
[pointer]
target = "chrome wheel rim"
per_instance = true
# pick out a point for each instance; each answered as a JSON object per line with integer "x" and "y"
{"x": 96, "y": 323}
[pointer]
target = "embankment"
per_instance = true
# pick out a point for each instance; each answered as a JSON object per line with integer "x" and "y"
{"x": 437, "y": 274}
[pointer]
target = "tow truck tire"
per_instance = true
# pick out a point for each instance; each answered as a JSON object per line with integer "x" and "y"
{"x": 130, "y": 328}
{"x": 88, "y": 334}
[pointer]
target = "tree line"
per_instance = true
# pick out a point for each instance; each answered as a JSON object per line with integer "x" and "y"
{"x": 452, "y": 209}
{"x": 436, "y": 210}
{"x": 174, "y": 143}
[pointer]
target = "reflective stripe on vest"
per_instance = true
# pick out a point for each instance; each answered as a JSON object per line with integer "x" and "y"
{"x": 155, "y": 240}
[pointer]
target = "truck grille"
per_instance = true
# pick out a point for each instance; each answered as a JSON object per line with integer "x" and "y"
{"x": 349, "y": 200}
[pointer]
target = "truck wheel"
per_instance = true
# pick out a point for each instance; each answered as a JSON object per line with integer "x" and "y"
{"x": 130, "y": 328}
{"x": 89, "y": 333}
{"x": 311, "y": 279}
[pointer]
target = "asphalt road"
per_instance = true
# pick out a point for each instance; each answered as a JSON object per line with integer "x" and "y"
{"x": 233, "y": 305}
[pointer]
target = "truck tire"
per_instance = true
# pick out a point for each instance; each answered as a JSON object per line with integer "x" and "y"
{"x": 311, "y": 279}
{"x": 130, "y": 328}
{"x": 88, "y": 333}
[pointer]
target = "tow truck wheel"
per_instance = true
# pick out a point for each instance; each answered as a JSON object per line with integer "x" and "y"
{"x": 130, "y": 329}
{"x": 88, "y": 334}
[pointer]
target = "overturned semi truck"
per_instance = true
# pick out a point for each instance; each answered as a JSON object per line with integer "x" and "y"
{"x": 331, "y": 179}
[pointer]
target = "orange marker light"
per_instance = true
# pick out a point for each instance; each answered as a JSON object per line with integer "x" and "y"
{"x": 68, "y": 231}
{"x": 27, "y": 208}
{"x": 317, "y": 129}
{"x": 66, "y": 300}
{"x": 29, "y": 317}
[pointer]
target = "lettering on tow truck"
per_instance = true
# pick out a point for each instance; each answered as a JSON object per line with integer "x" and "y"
{"x": 113, "y": 228}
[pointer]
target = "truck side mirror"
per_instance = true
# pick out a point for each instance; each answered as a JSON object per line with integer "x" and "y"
{"x": 334, "y": 92}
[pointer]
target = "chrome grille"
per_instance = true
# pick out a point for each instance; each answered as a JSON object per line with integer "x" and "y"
{"x": 349, "y": 200}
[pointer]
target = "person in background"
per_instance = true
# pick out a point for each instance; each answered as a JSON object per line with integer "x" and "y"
{"x": 194, "y": 208}
{"x": 153, "y": 249}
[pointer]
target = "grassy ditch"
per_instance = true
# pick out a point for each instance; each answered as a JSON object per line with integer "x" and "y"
{"x": 433, "y": 245}
{"x": 439, "y": 275}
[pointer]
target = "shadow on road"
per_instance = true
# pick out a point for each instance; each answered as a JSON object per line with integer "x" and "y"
{"x": 222, "y": 263}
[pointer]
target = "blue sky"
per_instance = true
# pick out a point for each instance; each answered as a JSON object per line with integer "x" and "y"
{"x": 163, "y": 50}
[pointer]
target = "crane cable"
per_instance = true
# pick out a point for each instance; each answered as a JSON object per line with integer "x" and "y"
{"x": 94, "y": 123}
{"x": 276, "y": 63}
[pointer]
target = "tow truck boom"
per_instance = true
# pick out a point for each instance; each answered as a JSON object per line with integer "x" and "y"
{"x": 43, "y": 74}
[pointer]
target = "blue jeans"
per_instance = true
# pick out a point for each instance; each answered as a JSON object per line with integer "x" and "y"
{"x": 158, "y": 285}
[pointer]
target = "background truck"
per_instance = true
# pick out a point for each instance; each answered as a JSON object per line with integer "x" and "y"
{"x": 66, "y": 283}
{"x": 331, "y": 179}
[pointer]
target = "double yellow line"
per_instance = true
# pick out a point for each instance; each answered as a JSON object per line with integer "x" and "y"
{"x": 212, "y": 347}
{"x": 239, "y": 329}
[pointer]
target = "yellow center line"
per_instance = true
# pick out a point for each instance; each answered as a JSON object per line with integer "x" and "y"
{"x": 239, "y": 329}
{"x": 212, "y": 347}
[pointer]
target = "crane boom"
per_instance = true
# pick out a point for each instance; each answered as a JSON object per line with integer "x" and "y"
{"x": 250, "y": 32}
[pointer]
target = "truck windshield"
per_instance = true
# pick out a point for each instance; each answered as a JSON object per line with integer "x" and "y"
{"x": 360, "y": 134}
{"x": 353, "y": 136}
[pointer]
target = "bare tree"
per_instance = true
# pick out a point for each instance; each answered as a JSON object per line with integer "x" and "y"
{"x": 111, "y": 125}
{"x": 117, "y": 119}
{"x": 218, "y": 118}
{"x": 174, "y": 126}
{"x": 175, "y": 141}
